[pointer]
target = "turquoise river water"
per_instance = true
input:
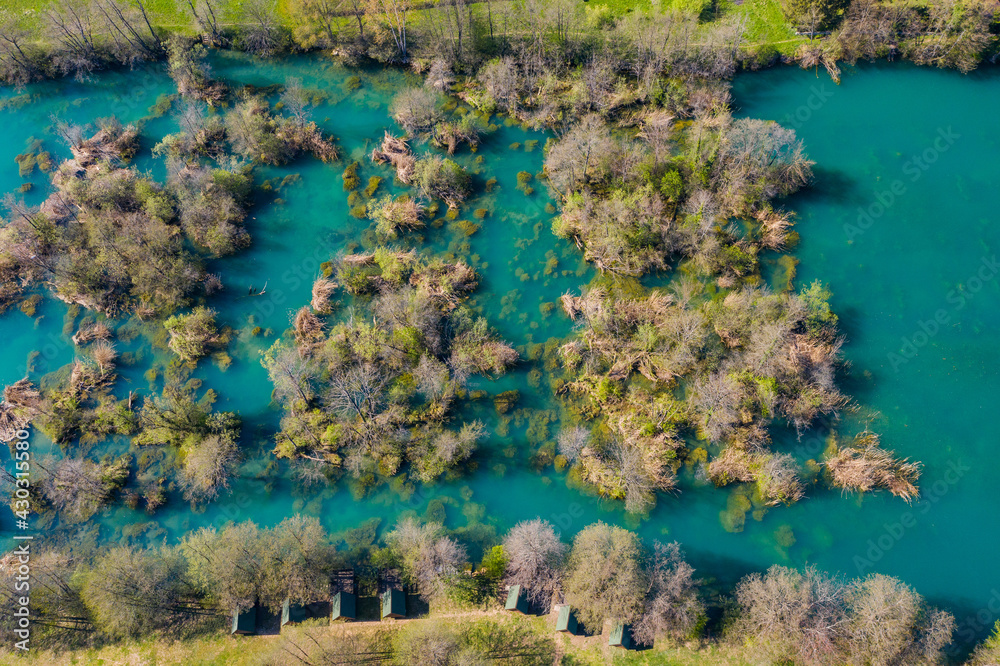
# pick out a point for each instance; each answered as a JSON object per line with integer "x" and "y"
{"x": 899, "y": 224}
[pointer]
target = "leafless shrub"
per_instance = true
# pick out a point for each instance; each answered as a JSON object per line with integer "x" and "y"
{"x": 865, "y": 466}
{"x": 308, "y": 330}
{"x": 439, "y": 76}
{"x": 208, "y": 466}
{"x": 104, "y": 354}
{"x": 417, "y": 110}
{"x": 89, "y": 332}
{"x": 571, "y": 441}
{"x": 322, "y": 290}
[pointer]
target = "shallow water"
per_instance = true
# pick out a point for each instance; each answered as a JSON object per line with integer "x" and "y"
{"x": 918, "y": 256}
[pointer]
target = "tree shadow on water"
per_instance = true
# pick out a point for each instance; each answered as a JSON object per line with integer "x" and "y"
{"x": 829, "y": 186}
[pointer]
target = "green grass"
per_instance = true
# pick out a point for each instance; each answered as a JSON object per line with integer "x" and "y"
{"x": 765, "y": 21}
{"x": 766, "y": 24}
{"x": 255, "y": 650}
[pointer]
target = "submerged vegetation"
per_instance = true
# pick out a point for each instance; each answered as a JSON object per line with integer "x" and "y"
{"x": 743, "y": 355}
{"x": 368, "y": 394}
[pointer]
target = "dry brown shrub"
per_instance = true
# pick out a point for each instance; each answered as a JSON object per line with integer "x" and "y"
{"x": 322, "y": 290}
{"x": 865, "y": 466}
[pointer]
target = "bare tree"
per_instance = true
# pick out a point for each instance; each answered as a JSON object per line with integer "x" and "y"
{"x": 502, "y": 81}
{"x": 600, "y": 76}
{"x": 130, "y": 31}
{"x": 206, "y": 15}
{"x": 208, "y": 465}
{"x": 873, "y": 29}
{"x": 759, "y": 160}
{"x": 78, "y": 487}
{"x": 72, "y": 27}
{"x": 534, "y": 559}
{"x": 891, "y": 624}
{"x": 432, "y": 377}
{"x": 260, "y": 33}
{"x": 956, "y": 34}
{"x": 571, "y": 441}
{"x": 673, "y": 608}
{"x": 439, "y": 76}
{"x": 717, "y": 398}
{"x": 627, "y": 471}
{"x": 237, "y": 566}
{"x": 306, "y": 559}
{"x": 296, "y": 100}
{"x": 19, "y": 60}
{"x": 792, "y": 615}
{"x": 357, "y": 390}
{"x": 132, "y": 592}
{"x": 395, "y": 17}
{"x": 583, "y": 155}
{"x": 429, "y": 558}
{"x": 292, "y": 375}
{"x": 59, "y": 616}
{"x": 417, "y": 110}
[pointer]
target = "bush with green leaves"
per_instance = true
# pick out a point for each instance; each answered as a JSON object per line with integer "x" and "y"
{"x": 193, "y": 335}
{"x": 441, "y": 178}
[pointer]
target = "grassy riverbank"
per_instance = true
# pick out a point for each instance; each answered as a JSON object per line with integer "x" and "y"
{"x": 765, "y": 24}
{"x": 262, "y": 650}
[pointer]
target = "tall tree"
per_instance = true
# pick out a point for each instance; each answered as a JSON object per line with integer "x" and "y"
{"x": 813, "y": 16}
{"x": 605, "y": 579}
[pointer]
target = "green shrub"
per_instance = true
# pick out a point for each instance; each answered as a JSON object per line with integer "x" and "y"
{"x": 351, "y": 179}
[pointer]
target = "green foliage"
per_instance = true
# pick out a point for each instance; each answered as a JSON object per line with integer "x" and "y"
{"x": 672, "y": 185}
{"x": 817, "y": 301}
{"x": 257, "y": 134}
{"x": 350, "y": 176}
{"x": 484, "y": 586}
{"x": 506, "y": 401}
{"x": 441, "y": 178}
{"x": 605, "y": 579}
{"x": 814, "y": 15}
{"x": 193, "y": 335}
